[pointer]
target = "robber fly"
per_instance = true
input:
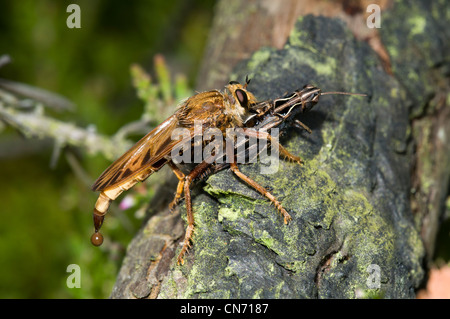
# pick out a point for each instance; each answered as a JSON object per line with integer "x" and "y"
{"x": 235, "y": 107}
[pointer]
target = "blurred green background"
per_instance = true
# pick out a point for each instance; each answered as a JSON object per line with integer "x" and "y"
{"x": 46, "y": 213}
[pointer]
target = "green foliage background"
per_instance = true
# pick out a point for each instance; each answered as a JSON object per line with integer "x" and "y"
{"x": 46, "y": 214}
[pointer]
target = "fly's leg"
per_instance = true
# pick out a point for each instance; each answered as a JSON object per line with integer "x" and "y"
{"x": 181, "y": 177}
{"x": 235, "y": 169}
{"x": 261, "y": 190}
{"x": 266, "y": 136}
{"x": 190, "y": 220}
{"x": 198, "y": 170}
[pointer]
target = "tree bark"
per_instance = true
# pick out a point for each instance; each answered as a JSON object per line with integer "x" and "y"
{"x": 356, "y": 228}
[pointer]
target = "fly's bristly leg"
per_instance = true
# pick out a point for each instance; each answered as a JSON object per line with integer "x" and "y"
{"x": 235, "y": 169}
{"x": 181, "y": 177}
{"x": 283, "y": 151}
{"x": 198, "y": 170}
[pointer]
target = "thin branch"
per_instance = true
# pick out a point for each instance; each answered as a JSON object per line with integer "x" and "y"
{"x": 36, "y": 124}
{"x": 50, "y": 99}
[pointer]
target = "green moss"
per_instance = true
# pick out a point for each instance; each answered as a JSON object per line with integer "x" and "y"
{"x": 297, "y": 35}
{"x": 417, "y": 23}
{"x": 227, "y": 213}
{"x": 363, "y": 293}
{"x": 174, "y": 285}
{"x": 394, "y": 92}
{"x": 325, "y": 66}
{"x": 266, "y": 240}
{"x": 259, "y": 57}
{"x": 366, "y": 226}
{"x": 258, "y": 294}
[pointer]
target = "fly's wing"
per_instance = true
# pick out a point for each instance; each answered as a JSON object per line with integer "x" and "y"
{"x": 149, "y": 154}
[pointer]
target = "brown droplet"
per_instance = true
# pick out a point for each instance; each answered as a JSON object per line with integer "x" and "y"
{"x": 97, "y": 239}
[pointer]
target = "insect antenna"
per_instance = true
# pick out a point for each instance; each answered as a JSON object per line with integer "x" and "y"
{"x": 343, "y": 93}
{"x": 247, "y": 81}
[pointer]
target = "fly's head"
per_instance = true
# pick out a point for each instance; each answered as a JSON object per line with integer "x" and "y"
{"x": 240, "y": 100}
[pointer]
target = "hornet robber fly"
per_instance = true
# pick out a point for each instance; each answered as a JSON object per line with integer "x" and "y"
{"x": 234, "y": 107}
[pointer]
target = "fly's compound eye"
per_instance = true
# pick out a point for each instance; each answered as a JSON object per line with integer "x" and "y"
{"x": 233, "y": 82}
{"x": 242, "y": 97}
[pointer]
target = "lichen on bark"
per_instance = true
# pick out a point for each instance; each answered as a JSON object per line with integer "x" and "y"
{"x": 348, "y": 202}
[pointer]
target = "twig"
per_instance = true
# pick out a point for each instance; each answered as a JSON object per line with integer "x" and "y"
{"x": 4, "y": 59}
{"x": 52, "y": 100}
{"x": 34, "y": 124}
